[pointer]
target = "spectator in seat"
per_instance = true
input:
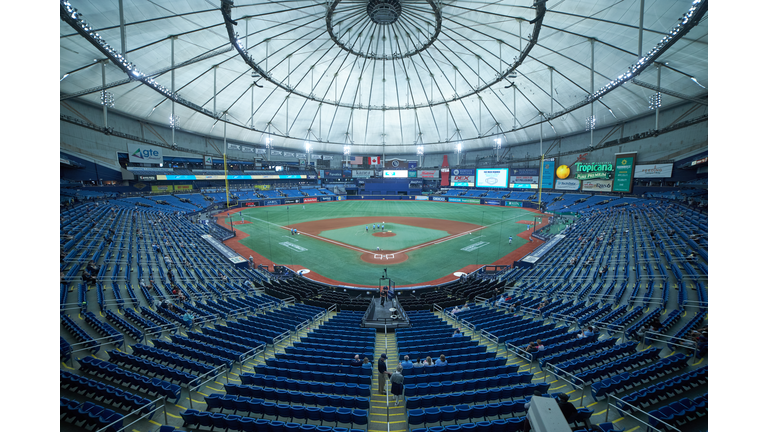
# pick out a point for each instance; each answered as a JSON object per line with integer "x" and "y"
{"x": 87, "y": 277}
{"x": 569, "y": 411}
{"x": 356, "y": 361}
{"x": 366, "y": 363}
{"x": 92, "y": 267}
{"x": 407, "y": 363}
{"x": 189, "y": 319}
{"x": 457, "y": 333}
{"x": 531, "y": 346}
{"x": 539, "y": 346}
{"x": 441, "y": 361}
{"x": 428, "y": 362}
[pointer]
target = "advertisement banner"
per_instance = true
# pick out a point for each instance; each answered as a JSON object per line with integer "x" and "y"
{"x": 276, "y": 152}
{"x": 464, "y": 200}
{"x": 463, "y": 180}
{"x": 412, "y": 165}
{"x": 146, "y": 178}
{"x": 548, "y": 174}
{"x": 492, "y": 178}
{"x": 411, "y": 174}
{"x": 310, "y": 200}
{"x": 429, "y": 174}
{"x": 513, "y": 204}
{"x": 263, "y": 187}
{"x": 327, "y": 157}
{"x": 177, "y": 177}
{"x": 247, "y": 149}
{"x": 421, "y": 198}
{"x": 396, "y": 163}
{"x": 524, "y": 186}
{"x": 362, "y": 173}
{"x": 653, "y": 171}
{"x": 493, "y": 202}
{"x": 292, "y": 200}
{"x": 261, "y": 151}
{"x": 325, "y": 198}
{"x": 179, "y": 188}
{"x": 289, "y": 154}
{"x": 162, "y": 188}
{"x": 207, "y": 160}
{"x": 141, "y": 153}
{"x": 271, "y": 202}
{"x": 301, "y": 156}
{"x": 567, "y": 184}
{"x": 233, "y": 146}
{"x": 316, "y": 157}
{"x": 435, "y": 198}
{"x": 332, "y": 174}
{"x": 524, "y": 179}
{"x": 395, "y": 174}
{"x": 524, "y": 172}
{"x": 463, "y": 172}
{"x": 625, "y": 168}
{"x": 248, "y": 204}
{"x": 341, "y": 198}
{"x": 596, "y": 185}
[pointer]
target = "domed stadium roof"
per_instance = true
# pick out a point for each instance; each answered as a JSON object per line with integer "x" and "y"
{"x": 385, "y": 75}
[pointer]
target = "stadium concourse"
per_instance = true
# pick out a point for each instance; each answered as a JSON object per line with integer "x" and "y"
{"x": 168, "y": 334}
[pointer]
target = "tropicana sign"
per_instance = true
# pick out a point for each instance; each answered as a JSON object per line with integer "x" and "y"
{"x": 593, "y": 170}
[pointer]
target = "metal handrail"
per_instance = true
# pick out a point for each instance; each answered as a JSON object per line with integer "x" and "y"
{"x": 437, "y": 307}
{"x": 188, "y": 386}
{"x": 516, "y": 350}
{"x": 137, "y": 410}
{"x": 332, "y": 308}
{"x": 700, "y": 304}
{"x": 627, "y": 413}
{"x": 246, "y": 356}
{"x": 554, "y": 369}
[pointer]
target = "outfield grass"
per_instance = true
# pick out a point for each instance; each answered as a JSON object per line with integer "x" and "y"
{"x": 268, "y": 238}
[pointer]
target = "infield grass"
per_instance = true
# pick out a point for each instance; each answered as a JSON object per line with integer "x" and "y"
{"x": 405, "y": 236}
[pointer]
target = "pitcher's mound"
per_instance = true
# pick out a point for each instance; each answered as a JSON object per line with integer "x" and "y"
{"x": 384, "y": 234}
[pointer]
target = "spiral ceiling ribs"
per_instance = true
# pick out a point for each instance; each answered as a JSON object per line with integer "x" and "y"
{"x": 384, "y": 75}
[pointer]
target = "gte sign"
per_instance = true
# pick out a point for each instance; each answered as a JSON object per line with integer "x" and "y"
{"x": 145, "y": 154}
{"x": 593, "y": 170}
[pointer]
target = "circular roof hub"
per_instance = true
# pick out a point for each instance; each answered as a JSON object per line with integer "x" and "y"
{"x": 384, "y": 12}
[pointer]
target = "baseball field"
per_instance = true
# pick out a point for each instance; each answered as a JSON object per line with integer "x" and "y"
{"x": 342, "y": 242}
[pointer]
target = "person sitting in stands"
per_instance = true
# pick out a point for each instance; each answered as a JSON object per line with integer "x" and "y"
{"x": 531, "y": 346}
{"x": 366, "y": 363}
{"x": 356, "y": 361}
{"x": 92, "y": 267}
{"x": 87, "y": 277}
{"x": 441, "y": 361}
{"x": 188, "y": 318}
{"x": 457, "y": 333}
{"x": 539, "y": 346}
{"x": 569, "y": 411}
{"x": 586, "y": 333}
{"x": 428, "y": 362}
{"x": 407, "y": 363}
{"x": 691, "y": 257}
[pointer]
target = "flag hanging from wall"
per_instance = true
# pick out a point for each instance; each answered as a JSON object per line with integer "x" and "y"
{"x": 356, "y": 160}
{"x": 375, "y": 160}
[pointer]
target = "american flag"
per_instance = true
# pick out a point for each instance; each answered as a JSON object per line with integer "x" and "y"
{"x": 356, "y": 160}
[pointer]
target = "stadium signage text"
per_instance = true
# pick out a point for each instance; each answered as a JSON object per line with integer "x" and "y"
{"x": 310, "y": 200}
{"x": 421, "y": 198}
{"x": 513, "y": 204}
{"x": 438, "y": 199}
{"x": 593, "y": 170}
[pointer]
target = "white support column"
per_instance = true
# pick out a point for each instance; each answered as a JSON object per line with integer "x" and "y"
{"x": 658, "y": 84}
{"x": 640, "y": 30}
{"x": 123, "y": 42}
{"x": 173, "y": 89}
{"x": 104, "y": 92}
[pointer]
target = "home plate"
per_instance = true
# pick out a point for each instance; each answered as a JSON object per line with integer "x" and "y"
{"x": 459, "y": 274}
{"x": 304, "y": 271}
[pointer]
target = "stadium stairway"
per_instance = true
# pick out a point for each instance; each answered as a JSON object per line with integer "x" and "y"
{"x": 383, "y": 409}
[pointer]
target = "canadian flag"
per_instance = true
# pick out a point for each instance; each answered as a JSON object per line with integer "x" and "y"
{"x": 375, "y": 160}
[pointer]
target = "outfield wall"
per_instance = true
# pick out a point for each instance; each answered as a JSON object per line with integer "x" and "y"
{"x": 311, "y": 200}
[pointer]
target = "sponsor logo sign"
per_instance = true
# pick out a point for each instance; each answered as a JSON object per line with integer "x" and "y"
{"x": 434, "y": 198}
{"x": 292, "y": 201}
{"x": 147, "y": 178}
{"x": 421, "y": 198}
{"x": 362, "y": 173}
{"x": 310, "y": 200}
{"x": 140, "y": 153}
{"x": 325, "y": 198}
{"x": 624, "y": 170}
{"x": 597, "y": 185}
{"x": 341, "y": 198}
{"x": 653, "y": 171}
{"x": 493, "y": 202}
{"x": 395, "y": 174}
{"x": 524, "y": 179}
{"x": 593, "y": 170}
{"x": 463, "y": 172}
{"x": 567, "y": 184}
{"x": 272, "y": 202}
{"x": 429, "y": 174}
{"x": 548, "y": 174}
{"x": 524, "y": 186}
{"x": 464, "y": 200}
{"x": 492, "y": 178}
{"x": 249, "y": 204}
{"x": 162, "y": 188}
{"x": 513, "y": 203}
{"x": 524, "y": 172}
{"x": 333, "y": 173}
